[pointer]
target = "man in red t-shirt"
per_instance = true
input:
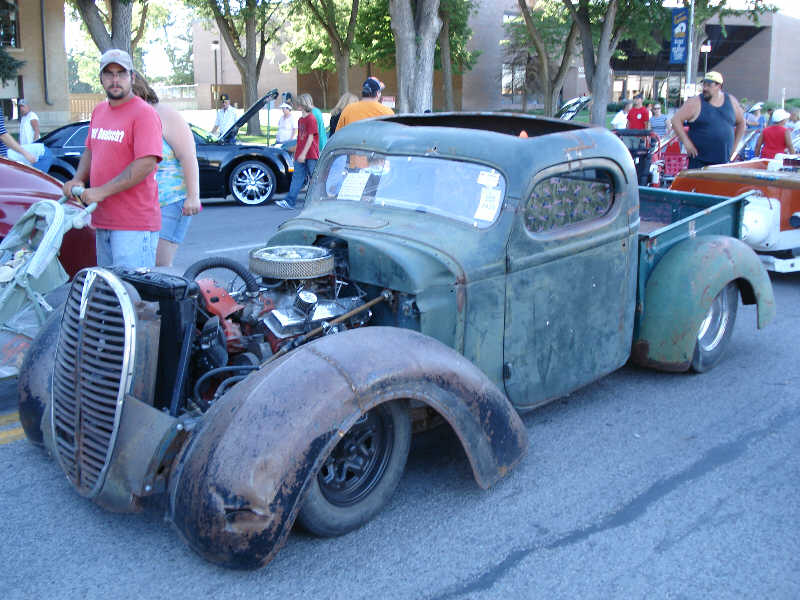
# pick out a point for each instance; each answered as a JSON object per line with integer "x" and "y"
{"x": 306, "y": 152}
{"x": 638, "y": 116}
{"x": 123, "y": 149}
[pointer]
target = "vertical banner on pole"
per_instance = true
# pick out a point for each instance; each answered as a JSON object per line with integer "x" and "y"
{"x": 680, "y": 36}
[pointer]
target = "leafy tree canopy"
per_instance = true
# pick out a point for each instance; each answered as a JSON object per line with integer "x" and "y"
{"x": 9, "y": 66}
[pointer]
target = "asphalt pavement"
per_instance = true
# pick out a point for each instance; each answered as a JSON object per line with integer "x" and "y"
{"x": 641, "y": 485}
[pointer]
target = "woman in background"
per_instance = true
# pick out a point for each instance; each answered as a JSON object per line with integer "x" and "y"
{"x": 776, "y": 138}
{"x": 347, "y": 98}
{"x": 178, "y": 175}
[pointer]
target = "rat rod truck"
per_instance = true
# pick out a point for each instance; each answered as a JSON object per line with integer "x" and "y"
{"x": 445, "y": 269}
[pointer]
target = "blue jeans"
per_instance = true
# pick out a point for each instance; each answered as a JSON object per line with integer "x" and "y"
{"x": 302, "y": 171}
{"x": 126, "y": 248}
{"x": 174, "y": 224}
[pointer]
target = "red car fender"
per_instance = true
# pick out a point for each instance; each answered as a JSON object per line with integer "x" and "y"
{"x": 238, "y": 485}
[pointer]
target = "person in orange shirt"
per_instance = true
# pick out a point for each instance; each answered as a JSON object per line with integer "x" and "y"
{"x": 776, "y": 138}
{"x": 369, "y": 106}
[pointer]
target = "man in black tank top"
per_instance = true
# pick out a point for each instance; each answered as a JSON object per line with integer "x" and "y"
{"x": 716, "y": 124}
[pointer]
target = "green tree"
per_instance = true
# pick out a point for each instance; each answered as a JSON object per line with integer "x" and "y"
{"x": 708, "y": 10}
{"x": 338, "y": 19}
{"x": 111, "y": 22}
{"x": 544, "y": 40}
{"x": 601, "y": 25}
{"x": 308, "y": 50}
{"x": 9, "y": 66}
{"x": 246, "y": 26}
{"x": 452, "y": 53}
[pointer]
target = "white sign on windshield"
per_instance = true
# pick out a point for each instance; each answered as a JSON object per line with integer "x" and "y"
{"x": 490, "y": 202}
{"x": 353, "y": 186}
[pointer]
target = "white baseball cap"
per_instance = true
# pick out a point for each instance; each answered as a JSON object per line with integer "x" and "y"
{"x": 116, "y": 56}
{"x": 779, "y": 115}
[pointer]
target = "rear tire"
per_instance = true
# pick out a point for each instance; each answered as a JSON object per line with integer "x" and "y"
{"x": 716, "y": 329}
{"x": 361, "y": 473}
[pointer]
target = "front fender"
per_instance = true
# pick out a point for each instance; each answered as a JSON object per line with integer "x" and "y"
{"x": 238, "y": 485}
{"x": 680, "y": 291}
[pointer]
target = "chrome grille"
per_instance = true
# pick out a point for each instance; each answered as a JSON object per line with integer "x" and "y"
{"x": 92, "y": 375}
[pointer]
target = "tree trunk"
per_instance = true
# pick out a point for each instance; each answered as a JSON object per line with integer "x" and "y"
{"x": 447, "y": 67}
{"x": 415, "y": 40}
{"x": 597, "y": 67}
{"x": 561, "y": 74}
{"x": 121, "y": 18}
{"x": 342, "y": 44}
{"x": 405, "y": 44}
{"x": 342, "y": 71}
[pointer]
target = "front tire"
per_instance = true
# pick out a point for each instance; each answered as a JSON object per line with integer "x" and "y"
{"x": 252, "y": 183}
{"x": 361, "y": 473}
{"x": 716, "y": 329}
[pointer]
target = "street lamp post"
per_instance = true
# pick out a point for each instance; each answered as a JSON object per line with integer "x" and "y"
{"x": 215, "y": 50}
{"x": 705, "y": 48}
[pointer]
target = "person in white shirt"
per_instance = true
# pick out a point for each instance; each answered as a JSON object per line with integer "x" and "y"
{"x": 287, "y": 129}
{"x": 794, "y": 119}
{"x": 620, "y": 120}
{"x": 28, "y": 123}
{"x": 226, "y": 116}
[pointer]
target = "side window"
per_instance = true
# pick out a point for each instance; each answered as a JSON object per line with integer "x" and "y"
{"x": 569, "y": 198}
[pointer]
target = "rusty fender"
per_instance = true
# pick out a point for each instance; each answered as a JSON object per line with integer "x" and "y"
{"x": 238, "y": 486}
{"x": 680, "y": 291}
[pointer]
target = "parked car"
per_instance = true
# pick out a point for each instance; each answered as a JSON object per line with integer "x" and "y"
{"x": 571, "y": 108}
{"x": 251, "y": 173}
{"x": 29, "y": 269}
{"x": 20, "y": 188}
{"x": 443, "y": 270}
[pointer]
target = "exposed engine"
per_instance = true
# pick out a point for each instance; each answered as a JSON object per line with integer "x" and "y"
{"x": 215, "y": 332}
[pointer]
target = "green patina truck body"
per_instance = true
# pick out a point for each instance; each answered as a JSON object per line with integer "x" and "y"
{"x": 447, "y": 269}
{"x": 550, "y": 291}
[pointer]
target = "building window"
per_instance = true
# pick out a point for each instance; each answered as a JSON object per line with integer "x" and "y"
{"x": 513, "y": 79}
{"x": 9, "y": 23}
{"x": 569, "y": 198}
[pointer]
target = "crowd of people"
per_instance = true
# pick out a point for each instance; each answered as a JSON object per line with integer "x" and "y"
{"x": 141, "y": 159}
{"x": 710, "y": 125}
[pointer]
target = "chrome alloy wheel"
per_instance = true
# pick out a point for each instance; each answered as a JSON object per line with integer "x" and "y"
{"x": 714, "y": 326}
{"x": 252, "y": 183}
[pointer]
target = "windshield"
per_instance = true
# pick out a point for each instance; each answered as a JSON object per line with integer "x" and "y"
{"x": 202, "y": 134}
{"x": 467, "y": 192}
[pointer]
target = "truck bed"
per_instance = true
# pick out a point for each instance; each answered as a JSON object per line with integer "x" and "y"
{"x": 668, "y": 217}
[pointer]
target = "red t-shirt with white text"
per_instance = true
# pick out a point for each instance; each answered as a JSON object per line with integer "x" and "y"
{"x": 307, "y": 126}
{"x": 638, "y": 117}
{"x": 118, "y": 135}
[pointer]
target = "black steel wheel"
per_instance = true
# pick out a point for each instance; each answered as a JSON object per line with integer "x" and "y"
{"x": 360, "y": 474}
{"x": 252, "y": 183}
{"x": 716, "y": 329}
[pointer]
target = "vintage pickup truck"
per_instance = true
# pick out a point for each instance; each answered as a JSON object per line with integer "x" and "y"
{"x": 445, "y": 270}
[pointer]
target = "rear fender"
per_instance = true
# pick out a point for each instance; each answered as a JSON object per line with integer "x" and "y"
{"x": 680, "y": 291}
{"x": 237, "y": 487}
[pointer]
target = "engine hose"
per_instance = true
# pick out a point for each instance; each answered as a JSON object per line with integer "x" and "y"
{"x": 217, "y": 262}
{"x": 198, "y": 399}
{"x": 223, "y": 387}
